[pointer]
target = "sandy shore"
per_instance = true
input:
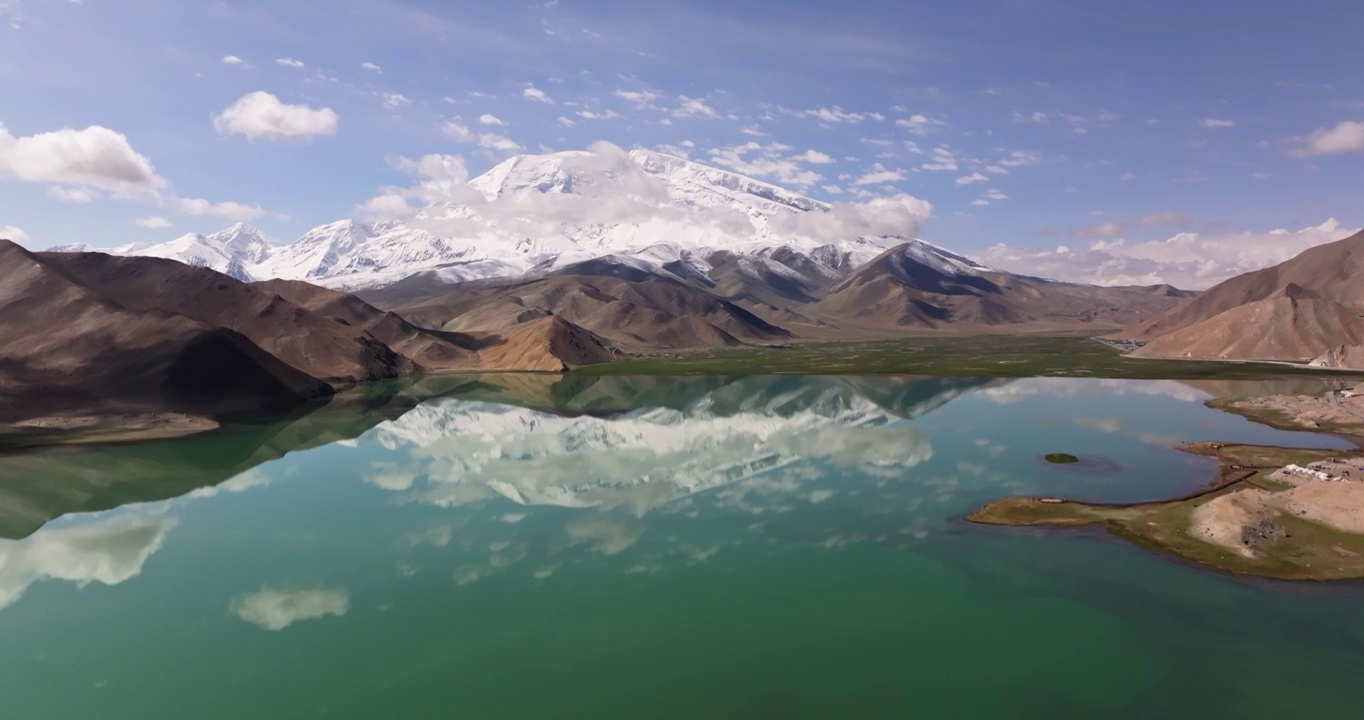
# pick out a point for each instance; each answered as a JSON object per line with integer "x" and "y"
{"x": 1341, "y": 410}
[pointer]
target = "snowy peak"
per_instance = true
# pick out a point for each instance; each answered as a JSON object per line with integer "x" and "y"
{"x": 533, "y": 214}
{"x": 243, "y": 243}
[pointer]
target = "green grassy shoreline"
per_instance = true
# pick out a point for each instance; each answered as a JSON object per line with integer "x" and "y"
{"x": 954, "y": 356}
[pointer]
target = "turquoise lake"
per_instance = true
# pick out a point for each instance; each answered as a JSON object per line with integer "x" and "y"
{"x": 758, "y": 547}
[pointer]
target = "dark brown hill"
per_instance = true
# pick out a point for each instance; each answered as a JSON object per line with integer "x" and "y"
{"x": 433, "y": 350}
{"x": 311, "y": 343}
{"x": 65, "y": 345}
{"x": 646, "y": 312}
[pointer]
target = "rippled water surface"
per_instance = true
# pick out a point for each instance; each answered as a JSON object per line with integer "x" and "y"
{"x": 651, "y": 548}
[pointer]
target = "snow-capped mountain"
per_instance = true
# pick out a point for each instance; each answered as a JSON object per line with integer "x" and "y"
{"x": 535, "y": 213}
{"x": 235, "y": 251}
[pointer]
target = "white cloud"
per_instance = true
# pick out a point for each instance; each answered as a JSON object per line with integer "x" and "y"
{"x": 233, "y": 211}
{"x": 917, "y": 124}
{"x": 384, "y": 207}
{"x": 232, "y": 60}
{"x": 832, "y": 189}
{"x": 371, "y": 67}
{"x": 837, "y": 114}
{"x": 536, "y": 94}
{"x": 154, "y": 222}
{"x": 943, "y": 159}
{"x": 814, "y": 157}
{"x": 1127, "y": 176}
{"x": 1217, "y": 123}
{"x": 993, "y": 194}
{"x": 694, "y": 107}
{"x": 455, "y": 131}
{"x": 108, "y": 552}
{"x": 897, "y": 216}
{"x": 501, "y": 143}
{"x": 289, "y": 62}
{"x": 1020, "y": 158}
{"x": 565, "y": 122}
{"x": 752, "y": 158}
{"x": 488, "y": 119}
{"x": 1341, "y": 138}
{"x": 393, "y": 100}
{"x": 278, "y": 609}
{"x": 80, "y": 195}
{"x": 972, "y": 179}
{"x": 13, "y": 233}
{"x": 492, "y": 141}
{"x": 95, "y": 157}
{"x": 597, "y": 115}
{"x": 262, "y": 115}
{"x": 435, "y": 167}
{"x": 1188, "y": 260}
{"x": 879, "y": 175}
{"x": 640, "y": 98}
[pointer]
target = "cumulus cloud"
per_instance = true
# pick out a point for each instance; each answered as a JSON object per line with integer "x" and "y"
{"x": 536, "y": 94}
{"x": 393, "y": 100}
{"x": 837, "y": 114}
{"x": 814, "y": 157}
{"x": 899, "y": 215}
{"x": 1187, "y": 260}
{"x": 233, "y": 211}
{"x": 492, "y": 141}
{"x": 1215, "y": 123}
{"x": 597, "y": 114}
{"x": 879, "y": 175}
{"x": 13, "y": 233}
{"x": 752, "y": 158}
{"x": 489, "y": 119}
{"x": 1019, "y": 158}
{"x": 93, "y": 157}
{"x": 1342, "y": 138}
{"x": 943, "y": 159}
{"x": 440, "y": 177}
{"x": 261, "y": 115}
{"x": 643, "y": 99}
{"x": 275, "y": 610}
{"x": 918, "y": 124}
{"x": 694, "y": 107}
{"x": 107, "y": 552}
{"x": 154, "y": 222}
{"x": 289, "y": 62}
{"x": 232, "y": 60}
{"x": 371, "y": 67}
{"x": 972, "y": 179}
{"x": 387, "y": 206}
{"x": 79, "y": 195}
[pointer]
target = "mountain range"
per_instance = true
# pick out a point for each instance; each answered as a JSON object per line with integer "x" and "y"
{"x": 549, "y": 262}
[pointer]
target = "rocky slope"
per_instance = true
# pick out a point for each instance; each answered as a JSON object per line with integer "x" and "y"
{"x": 88, "y": 336}
{"x": 68, "y": 344}
{"x": 1308, "y": 309}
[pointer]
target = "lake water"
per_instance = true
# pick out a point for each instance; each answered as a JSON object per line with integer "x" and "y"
{"x": 651, "y": 548}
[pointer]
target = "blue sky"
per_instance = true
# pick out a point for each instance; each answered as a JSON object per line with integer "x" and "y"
{"x": 1028, "y": 123}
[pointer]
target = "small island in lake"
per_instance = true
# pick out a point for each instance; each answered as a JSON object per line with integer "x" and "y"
{"x": 1061, "y": 458}
{"x": 1273, "y": 512}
